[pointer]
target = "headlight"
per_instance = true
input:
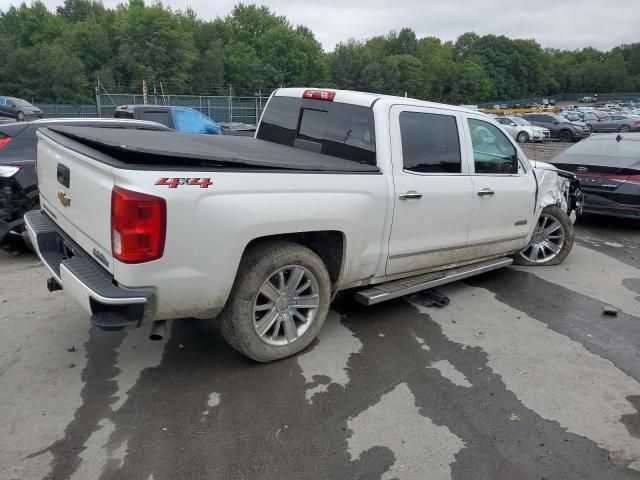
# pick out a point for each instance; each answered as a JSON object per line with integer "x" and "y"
{"x": 8, "y": 171}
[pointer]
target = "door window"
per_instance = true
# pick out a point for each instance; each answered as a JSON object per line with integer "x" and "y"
{"x": 493, "y": 153}
{"x": 430, "y": 143}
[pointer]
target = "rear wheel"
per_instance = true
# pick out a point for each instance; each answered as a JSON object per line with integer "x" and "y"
{"x": 279, "y": 301}
{"x": 523, "y": 137}
{"x": 551, "y": 241}
{"x": 625, "y": 128}
{"x": 565, "y": 136}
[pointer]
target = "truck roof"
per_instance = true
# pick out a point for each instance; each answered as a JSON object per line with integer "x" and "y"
{"x": 366, "y": 99}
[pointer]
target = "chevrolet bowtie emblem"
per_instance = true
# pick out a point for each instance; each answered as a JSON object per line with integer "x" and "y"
{"x": 64, "y": 200}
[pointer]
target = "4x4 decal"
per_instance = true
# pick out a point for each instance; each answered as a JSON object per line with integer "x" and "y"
{"x": 176, "y": 182}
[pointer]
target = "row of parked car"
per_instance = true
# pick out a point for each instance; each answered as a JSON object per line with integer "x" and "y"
{"x": 618, "y": 117}
{"x": 573, "y": 123}
{"x": 541, "y": 126}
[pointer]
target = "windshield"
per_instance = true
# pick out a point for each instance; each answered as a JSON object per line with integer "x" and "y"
{"x": 608, "y": 147}
{"x": 521, "y": 121}
{"x": 19, "y": 102}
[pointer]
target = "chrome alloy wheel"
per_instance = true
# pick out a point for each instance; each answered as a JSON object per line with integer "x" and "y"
{"x": 286, "y": 305}
{"x": 546, "y": 242}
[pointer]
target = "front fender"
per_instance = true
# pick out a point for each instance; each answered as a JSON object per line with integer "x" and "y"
{"x": 559, "y": 188}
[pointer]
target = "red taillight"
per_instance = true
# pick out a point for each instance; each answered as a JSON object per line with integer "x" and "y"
{"x": 635, "y": 179}
{"x": 4, "y": 142}
{"x": 636, "y": 122}
{"x": 138, "y": 226}
{"x": 327, "y": 95}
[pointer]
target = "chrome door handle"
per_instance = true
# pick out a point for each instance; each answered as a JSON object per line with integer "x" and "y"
{"x": 486, "y": 192}
{"x": 410, "y": 195}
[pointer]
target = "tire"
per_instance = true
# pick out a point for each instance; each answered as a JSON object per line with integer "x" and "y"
{"x": 20, "y": 117}
{"x": 241, "y": 317}
{"x": 526, "y": 256}
{"x": 590, "y": 129}
{"x": 522, "y": 137}
{"x": 565, "y": 136}
{"x": 625, "y": 128}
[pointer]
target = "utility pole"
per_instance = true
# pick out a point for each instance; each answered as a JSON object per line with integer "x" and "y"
{"x": 145, "y": 93}
{"x": 98, "y": 106}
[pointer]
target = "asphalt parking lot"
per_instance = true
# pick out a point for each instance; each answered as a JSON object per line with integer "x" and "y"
{"x": 520, "y": 377}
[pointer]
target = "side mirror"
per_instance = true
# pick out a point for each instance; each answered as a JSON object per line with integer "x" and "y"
{"x": 555, "y": 122}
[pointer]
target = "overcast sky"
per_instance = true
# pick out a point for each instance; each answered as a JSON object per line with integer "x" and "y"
{"x": 561, "y": 24}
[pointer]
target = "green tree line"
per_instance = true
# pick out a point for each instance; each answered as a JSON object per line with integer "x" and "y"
{"x": 58, "y": 56}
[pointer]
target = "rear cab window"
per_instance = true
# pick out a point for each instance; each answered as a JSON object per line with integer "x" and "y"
{"x": 161, "y": 116}
{"x": 123, "y": 114}
{"x": 332, "y": 128}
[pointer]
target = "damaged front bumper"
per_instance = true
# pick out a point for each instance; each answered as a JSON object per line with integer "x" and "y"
{"x": 574, "y": 195}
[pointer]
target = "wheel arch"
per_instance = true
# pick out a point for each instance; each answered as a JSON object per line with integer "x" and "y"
{"x": 329, "y": 245}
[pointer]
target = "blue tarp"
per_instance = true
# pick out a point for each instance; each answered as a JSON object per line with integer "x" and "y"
{"x": 188, "y": 120}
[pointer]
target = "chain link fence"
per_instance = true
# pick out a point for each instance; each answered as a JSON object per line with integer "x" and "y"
{"x": 219, "y": 108}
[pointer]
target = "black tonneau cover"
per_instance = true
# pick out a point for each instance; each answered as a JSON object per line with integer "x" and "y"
{"x": 140, "y": 147}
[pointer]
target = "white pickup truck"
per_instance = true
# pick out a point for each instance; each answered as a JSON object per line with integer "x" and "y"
{"x": 338, "y": 190}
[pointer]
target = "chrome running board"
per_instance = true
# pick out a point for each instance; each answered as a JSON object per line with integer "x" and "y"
{"x": 409, "y": 285}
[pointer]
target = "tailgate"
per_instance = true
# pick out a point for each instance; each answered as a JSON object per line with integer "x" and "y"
{"x": 75, "y": 191}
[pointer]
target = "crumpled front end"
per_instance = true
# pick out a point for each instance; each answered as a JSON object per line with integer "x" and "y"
{"x": 560, "y": 188}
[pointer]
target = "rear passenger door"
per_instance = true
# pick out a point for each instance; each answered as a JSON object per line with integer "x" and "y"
{"x": 504, "y": 190}
{"x": 433, "y": 190}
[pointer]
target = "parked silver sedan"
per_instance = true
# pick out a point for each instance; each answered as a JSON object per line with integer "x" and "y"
{"x": 614, "y": 123}
{"x": 522, "y": 130}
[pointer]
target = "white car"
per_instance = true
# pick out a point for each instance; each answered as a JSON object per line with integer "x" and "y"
{"x": 338, "y": 190}
{"x": 522, "y": 130}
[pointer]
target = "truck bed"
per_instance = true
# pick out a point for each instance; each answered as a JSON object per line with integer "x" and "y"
{"x": 137, "y": 149}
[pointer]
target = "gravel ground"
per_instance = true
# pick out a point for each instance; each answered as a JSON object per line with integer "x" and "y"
{"x": 544, "y": 151}
{"x": 520, "y": 377}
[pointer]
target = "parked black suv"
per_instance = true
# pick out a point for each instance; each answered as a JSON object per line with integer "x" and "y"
{"x": 18, "y": 182}
{"x": 18, "y": 109}
{"x": 560, "y": 127}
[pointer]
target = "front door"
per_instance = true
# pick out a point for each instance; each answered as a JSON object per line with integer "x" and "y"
{"x": 433, "y": 190}
{"x": 504, "y": 191}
